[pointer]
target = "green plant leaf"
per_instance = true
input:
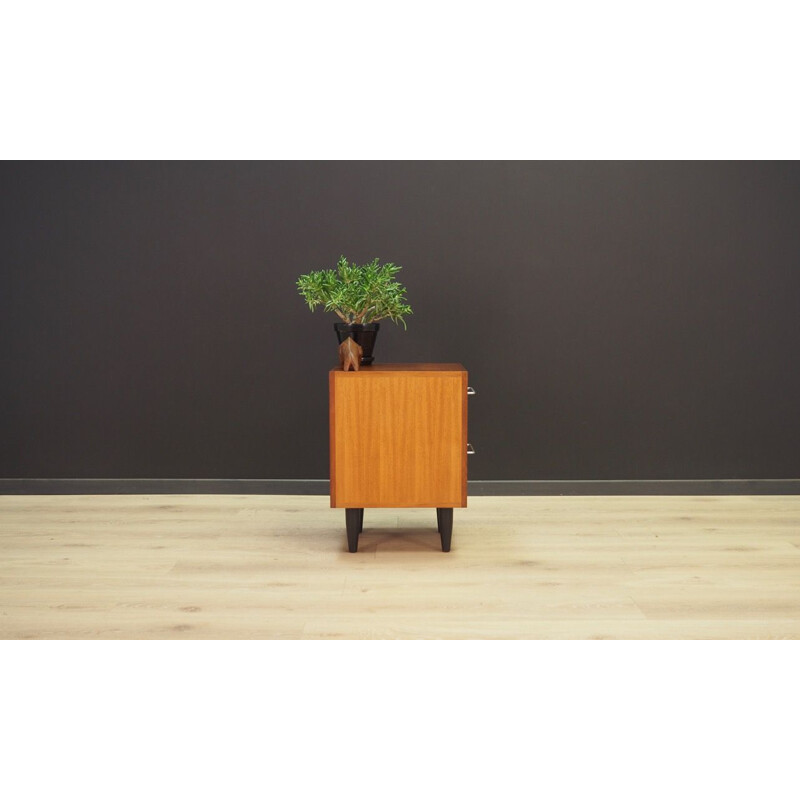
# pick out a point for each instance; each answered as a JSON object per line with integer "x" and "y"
{"x": 357, "y": 294}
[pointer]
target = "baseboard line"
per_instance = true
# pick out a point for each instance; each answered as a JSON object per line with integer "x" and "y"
{"x": 723, "y": 486}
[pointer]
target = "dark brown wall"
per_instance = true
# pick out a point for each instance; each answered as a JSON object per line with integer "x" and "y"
{"x": 619, "y": 320}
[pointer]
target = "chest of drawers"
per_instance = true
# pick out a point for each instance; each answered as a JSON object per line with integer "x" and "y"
{"x": 398, "y": 439}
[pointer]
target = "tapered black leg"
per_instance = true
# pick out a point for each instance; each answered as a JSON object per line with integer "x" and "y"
{"x": 445, "y": 518}
{"x": 353, "y": 517}
{"x": 439, "y": 520}
{"x": 360, "y": 520}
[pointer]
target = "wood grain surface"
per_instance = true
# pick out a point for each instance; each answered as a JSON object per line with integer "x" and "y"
{"x": 248, "y": 566}
{"x": 416, "y": 367}
{"x": 398, "y": 437}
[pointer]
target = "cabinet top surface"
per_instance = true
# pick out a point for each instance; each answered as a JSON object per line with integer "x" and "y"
{"x": 404, "y": 368}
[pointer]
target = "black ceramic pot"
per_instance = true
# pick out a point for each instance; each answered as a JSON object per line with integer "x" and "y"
{"x": 364, "y": 335}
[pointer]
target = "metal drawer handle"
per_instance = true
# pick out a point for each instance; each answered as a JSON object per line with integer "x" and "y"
{"x": 470, "y": 390}
{"x": 470, "y": 449}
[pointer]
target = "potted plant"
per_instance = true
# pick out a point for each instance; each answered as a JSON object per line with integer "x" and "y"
{"x": 359, "y": 296}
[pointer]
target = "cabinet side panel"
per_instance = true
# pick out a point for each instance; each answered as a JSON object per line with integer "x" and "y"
{"x": 464, "y": 429}
{"x": 332, "y": 435}
{"x": 398, "y": 440}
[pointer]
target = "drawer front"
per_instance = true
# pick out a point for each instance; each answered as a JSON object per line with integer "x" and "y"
{"x": 398, "y": 440}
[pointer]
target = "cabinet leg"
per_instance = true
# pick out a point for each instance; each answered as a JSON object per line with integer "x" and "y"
{"x": 353, "y": 517}
{"x": 439, "y": 520}
{"x": 445, "y": 518}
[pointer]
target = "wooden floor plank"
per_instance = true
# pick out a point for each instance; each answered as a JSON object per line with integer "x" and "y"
{"x": 249, "y": 566}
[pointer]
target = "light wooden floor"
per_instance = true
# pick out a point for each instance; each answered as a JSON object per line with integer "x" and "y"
{"x": 249, "y": 566}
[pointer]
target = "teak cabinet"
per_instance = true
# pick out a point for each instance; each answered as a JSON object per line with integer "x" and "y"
{"x": 398, "y": 439}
